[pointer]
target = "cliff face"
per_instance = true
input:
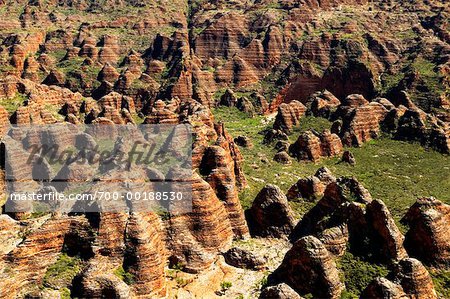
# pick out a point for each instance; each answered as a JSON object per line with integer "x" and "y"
{"x": 143, "y": 244}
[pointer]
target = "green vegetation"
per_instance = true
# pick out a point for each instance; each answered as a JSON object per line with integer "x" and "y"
{"x": 389, "y": 81}
{"x": 312, "y": 123}
{"x": 125, "y": 276}
{"x": 11, "y": 104}
{"x": 225, "y": 285}
{"x": 441, "y": 280}
{"x": 182, "y": 282}
{"x": 396, "y": 172}
{"x": 61, "y": 273}
{"x": 64, "y": 293}
{"x": 428, "y": 74}
{"x": 54, "y": 111}
{"x": 58, "y": 54}
{"x": 357, "y": 274}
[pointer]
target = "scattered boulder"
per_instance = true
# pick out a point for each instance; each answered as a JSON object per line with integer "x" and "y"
{"x": 288, "y": 116}
{"x": 354, "y": 100}
{"x": 383, "y": 288}
{"x": 244, "y": 259}
{"x": 228, "y": 99}
{"x": 272, "y": 135}
{"x": 312, "y": 146}
{"x": 347, "y": 157}
{"x": 322, "y": 104}
{"x": 282, "y": 146}
{"x": 310, "y": 188}
{"x": 279, "y": 291}
{"x": 245, "y": 105}
{"x": 243, "y": 141}
{"x": 282, "y": 158}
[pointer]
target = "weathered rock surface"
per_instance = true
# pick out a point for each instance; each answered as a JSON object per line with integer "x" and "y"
{"x": 282, "y": 158}
{"x": 288, "y": 116}
{"x": 308, "y": 267}
{"x": 348, "y": 157}
{"x": 241, "y": 258}
{"x": 427, "y": 238}
{"x": 347, "y": 215}
{"x": 408, "y": 279}
{"x": 383, "y": 288}
{"x": 279, "y": 291}
{"x": 270, "y": 214}
{"x": 312, "y": 146}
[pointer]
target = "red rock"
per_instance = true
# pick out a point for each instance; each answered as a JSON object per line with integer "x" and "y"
{"x": 362, "y": 124}
{"x": 288, "y": 116}
{"x": 4, "y": 121}
{"x": 108, "y": 73}
{"x": 390, "y": 237}
{"x": 383, "y": 288}
{"x": 270, "y": 214}
{"x": 311, "y": 147}
{"x": 415, "y": 279}
{"x": 146, "y": 254}
{"x": 323, "y": 103}
{"x": 40, "y": 250}
{"x": 354, "y": 100}
{"x": 308, "y": 267}
{"x": 427, "y": 237}
{"x": 110, "y": 49}
{"x": 217, "y": 166}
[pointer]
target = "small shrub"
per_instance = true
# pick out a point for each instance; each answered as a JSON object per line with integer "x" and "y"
{"x": 225, "y": 285}
{"x": 127, "y": 277}
{"x": 182, "y": 282}
{"x": 62, "y": 272}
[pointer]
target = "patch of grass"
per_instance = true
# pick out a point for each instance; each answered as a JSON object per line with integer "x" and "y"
{"x": 58, "y": 54}
{"x": 389, "y": 81}
{"x": 125, "y": 276}
{"x": 11, "y": 104}
{"x": 315, "y": 123}
{"x": 54, "y": 111}
{"x": 225, "y": 285}
{"x": 406, "y": 34}
{"x": 357, "y": 274}
{"x": 137, "y": 119}
{"x": 441, "y": 280}
{"x": 182, "y": 282}
{"x": 64, "y": 293}
{"x": 427, "y": 72}
{"x": 396, "y": 172}
{"x": 61, "y": 273}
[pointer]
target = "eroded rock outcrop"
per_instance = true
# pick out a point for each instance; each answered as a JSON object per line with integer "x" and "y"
{"x": 288, "y": 116}
{"x": 241, "y": 258}
{"x": 312, "y": 146}
{"x": 270, "y": 214}
{"x": 427, "y": 238}
{"x": 279, "y": 291}
{"x": 308, "y": 267}
{"x": 345, "y": 216}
